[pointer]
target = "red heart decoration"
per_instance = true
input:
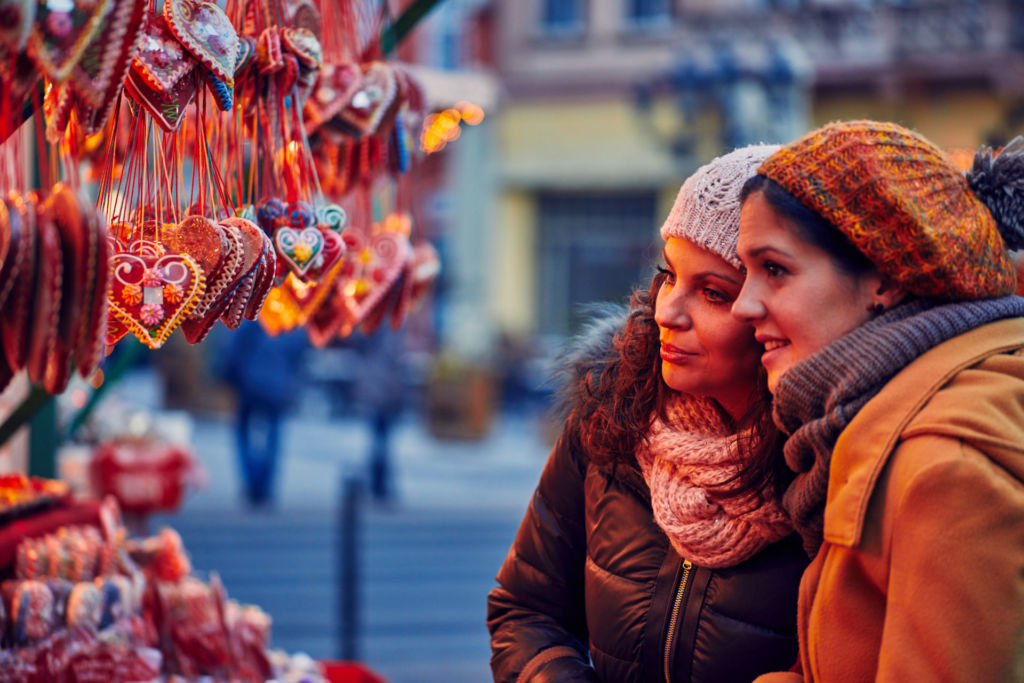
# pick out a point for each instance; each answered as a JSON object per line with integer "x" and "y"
{"x": 333, "y": 251}
{"x": 60, "y": 36}
{"x": 370, "y": 271}
{"x": 368, "y": 105}
{"x": 225, "y": 280}
{"x": 19, "y": 16}
{"x": 206, "y": 32}
{"x": 99, "y": 75}
{"x": 16, "y": 322}
{"x": 153, "y": 290}
{"x": 89, "y": 347}
{"x": 76, "y": 248}
{"x": 335, "y": 86}
{"x": 304, "y": 45}
{"x": 264, "y": 279}
{"x": 161, "y": 60}
{"x": 252, "y": 247}
{"x": 168, "y": 113}
{"x": 48, "y": 289}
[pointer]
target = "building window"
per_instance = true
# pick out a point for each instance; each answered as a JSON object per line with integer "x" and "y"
{"x": 648, "y": 14}
{"x": 591, "y": 247}
{"x": 562, "y": 17}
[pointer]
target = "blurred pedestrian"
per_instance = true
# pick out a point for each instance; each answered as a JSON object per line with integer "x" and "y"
{"x": 379, "y": 392}
{"x": 878, "y": 278}
{"x": 655, "y": 546}
{"x": 266, "y": 372}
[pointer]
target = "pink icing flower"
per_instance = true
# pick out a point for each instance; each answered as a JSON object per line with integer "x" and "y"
{"x": 151, "y": 278}
{"x": 151, "y": 314}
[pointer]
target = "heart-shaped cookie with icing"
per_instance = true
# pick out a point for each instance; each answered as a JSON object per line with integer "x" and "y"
{"x": 89, "y": 345}
{"x": 16, "y": 25}
{"x": 371, "y": 269}
{"x": 373, "y": 99}
{"x": 16, "y": 321}
{"x": 168, "y": 113}
{"x": 153, "y": 290}
{"x": 161, "y": 60}
{"x": 299, "y": 249}
{"x": 48, "y": 289}
{"x": 205, "y": 31}
{"x": 61, "y": 32}
{"x": 335, "y": 86}
{"x": 98, "y": 76}
{"x": 76, "y": 250}
{"x": 304, "y": 45}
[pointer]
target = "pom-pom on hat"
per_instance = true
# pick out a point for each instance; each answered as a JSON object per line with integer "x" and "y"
{"x": 707, "y": 208}
{"x": 901, "y": 201}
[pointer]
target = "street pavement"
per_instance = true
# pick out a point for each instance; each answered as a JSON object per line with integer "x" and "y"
{"x": 423, "y": 562}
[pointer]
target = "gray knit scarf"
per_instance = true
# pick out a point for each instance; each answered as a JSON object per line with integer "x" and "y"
{"x": 817, "y": 397}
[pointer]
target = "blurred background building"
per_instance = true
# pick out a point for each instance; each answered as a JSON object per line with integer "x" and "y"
{"x": 607, "y": 105}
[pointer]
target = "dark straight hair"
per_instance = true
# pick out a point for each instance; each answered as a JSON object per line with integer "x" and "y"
{"x": 812, "y": 227}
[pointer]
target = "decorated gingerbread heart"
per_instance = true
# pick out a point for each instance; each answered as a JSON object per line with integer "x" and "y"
{"x": 373, "y": 99}
{"x": 264, "y": 279}
{"x": 299, "y": 249}
{"x": 16, "y": 24}
{"x": 161, "y": 60}
{"x": 47, "y": 292}
{"x": 205, "y": 31}
{"x": 168, "y": 113}
{"x": 76, "y": 247}
{"x": 371, "y": 269}
{"x": 98, "y": 76}
{"x": 335, "y": 86}
{"x": 16, "y": 319}
{"x": 89, "y": 345}
{"x": 154, "y": 290}
{"x": 304, "y": 45}
{"x": 61, "y": 32}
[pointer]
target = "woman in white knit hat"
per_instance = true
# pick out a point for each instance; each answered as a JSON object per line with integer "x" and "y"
{"x": 654, "y": 547}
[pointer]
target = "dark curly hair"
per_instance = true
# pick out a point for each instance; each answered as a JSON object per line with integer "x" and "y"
{"x": 619, "y": 396}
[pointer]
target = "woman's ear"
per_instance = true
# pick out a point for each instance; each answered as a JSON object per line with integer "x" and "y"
{"x": 888, "y": 293}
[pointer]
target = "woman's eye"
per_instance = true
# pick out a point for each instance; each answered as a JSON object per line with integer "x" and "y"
{"x": 773, "y": 269}
{"x": 715, "y": 296}
{"x": 667, "y": 275}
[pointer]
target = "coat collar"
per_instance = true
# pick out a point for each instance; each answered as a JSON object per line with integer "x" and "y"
{"x": 862, "y": 450}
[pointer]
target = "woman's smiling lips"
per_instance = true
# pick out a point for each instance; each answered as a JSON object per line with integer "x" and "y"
{"x": 675, "y": 355}
{"x": 771, "y": 344}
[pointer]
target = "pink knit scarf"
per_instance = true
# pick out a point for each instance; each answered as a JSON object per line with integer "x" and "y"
{"x": 686, "y": 464}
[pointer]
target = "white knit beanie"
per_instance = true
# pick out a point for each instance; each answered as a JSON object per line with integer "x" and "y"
{"x": 707, "y": 209}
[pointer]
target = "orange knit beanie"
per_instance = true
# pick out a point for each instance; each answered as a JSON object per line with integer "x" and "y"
{"x": 901, "y": 201}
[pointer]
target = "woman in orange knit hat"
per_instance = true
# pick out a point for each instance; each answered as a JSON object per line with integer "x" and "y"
{"x": 880, "y": 282}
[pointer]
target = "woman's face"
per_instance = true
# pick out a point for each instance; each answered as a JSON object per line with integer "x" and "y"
{"x": 795, "y": 296}
{"x": 704, "y": 350}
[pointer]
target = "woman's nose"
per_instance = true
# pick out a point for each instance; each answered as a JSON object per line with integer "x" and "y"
{"x": 670, "y": 311}
{"x": 747, "y": 307}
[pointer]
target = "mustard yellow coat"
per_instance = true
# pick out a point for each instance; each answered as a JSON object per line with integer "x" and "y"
{"x": 921, "y": 576}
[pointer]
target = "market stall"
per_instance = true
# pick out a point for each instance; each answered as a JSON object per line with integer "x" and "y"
{"x": 166, "y": 168}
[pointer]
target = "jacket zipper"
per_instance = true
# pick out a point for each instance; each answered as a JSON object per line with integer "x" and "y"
{"x": 673, "y": 620}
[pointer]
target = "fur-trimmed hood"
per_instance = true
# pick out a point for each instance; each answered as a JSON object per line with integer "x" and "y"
{"x": 585, "y": 353}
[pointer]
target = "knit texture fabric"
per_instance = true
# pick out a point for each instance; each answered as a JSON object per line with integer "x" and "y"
{"x": 689, "y": 464}
{"x": 707, "y": 208}
{"x": 901, "y": 201}
{"x": 819, "y": 396}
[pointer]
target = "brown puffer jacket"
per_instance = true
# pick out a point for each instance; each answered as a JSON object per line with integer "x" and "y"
{"x": 592, "y": 590}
